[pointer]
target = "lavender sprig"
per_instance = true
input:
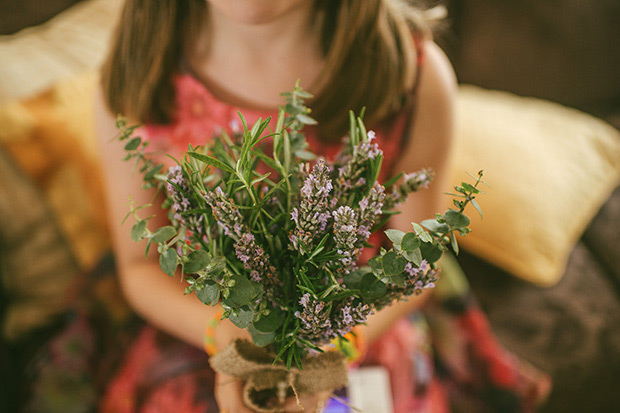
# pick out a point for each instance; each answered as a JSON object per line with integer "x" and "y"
{"x": 411, "y": 182}
{"x": 370, "y": 209}
{"x": 178, "y": 189}
{"x": 312, "y": 215}
{"x": 316, "y": 325}
{"x": 346, "y": 238}
{"x": 351, "y": 173}
{"x": 247, "y": 250}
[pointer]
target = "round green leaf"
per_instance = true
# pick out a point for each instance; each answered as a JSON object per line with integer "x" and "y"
{"x": 410, "y": 241}
{"x": 393, "y": 263}
{"x": 422, "y": 233}
{"x": 395, "y": 235}
{"x": 434, "y": 226}
{"x": 137, "y": 231}
{"x": 456, "y": 219}
{"x": 430, "y": 252}
{"x": 196, "y": 261}
{"x": 209, "y": 294}
{"x": 399, "y": 280}
{"x": 271, "y": 321}
{"x": 168, "y": 261}
{"x": 241, "y": 293}
{"x": 414, "y": 256}
{"x": 352, "y": 280}
{"x": 375, "y": 263}
{"x": 163, "y": 234}
{"x": 242, "y": 317}
{"x": 372, "y": 287}
{"x": 259, "y": 338}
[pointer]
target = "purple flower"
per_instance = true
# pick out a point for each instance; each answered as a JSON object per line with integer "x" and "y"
{"x": 177, "y": 188}
{"x": 348, "y": 315}
{"x": 410, "y": 183}
{"x": 226, "y": 213}
{"x": 312, "y": 213}
{"x": 247, "y": 250}
{"x": 370, "y": 208}
{"x": 315, "y": 322}
{"x": 346, "y": 237}
{"x": 352, "y": 164}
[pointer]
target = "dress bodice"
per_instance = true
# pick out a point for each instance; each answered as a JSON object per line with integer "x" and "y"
{"x": 200, "y": 115}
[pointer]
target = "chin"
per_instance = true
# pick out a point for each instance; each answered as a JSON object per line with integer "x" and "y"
{"x": 256, "y": 12}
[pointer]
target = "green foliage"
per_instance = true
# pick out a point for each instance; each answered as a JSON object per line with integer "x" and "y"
{"x": 258, "y": 194}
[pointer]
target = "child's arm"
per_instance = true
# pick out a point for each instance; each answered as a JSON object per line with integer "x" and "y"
{"x": 429, "y": 146}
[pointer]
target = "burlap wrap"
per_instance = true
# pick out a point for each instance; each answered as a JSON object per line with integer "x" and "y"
{"x": 323, "y": 372}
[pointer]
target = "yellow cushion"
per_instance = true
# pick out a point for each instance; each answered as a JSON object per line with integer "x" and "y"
{"x": 51, "y": 137}
{"x": 550, "y": 168}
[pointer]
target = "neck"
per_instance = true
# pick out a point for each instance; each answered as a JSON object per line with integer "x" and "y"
{"x": 250, "y": 63}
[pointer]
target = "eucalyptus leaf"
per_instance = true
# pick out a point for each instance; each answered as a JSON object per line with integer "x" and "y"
{"x": 376, "y": 263}
{"x": 393, "y": 263}
{"x": 260, "y": 338}
{"x": 242, "y": 317}
{"x": 137, "y": 231}
{"x": 395, "y": 235}
{"x": 399, "y": 280}
{"x": 241, "y": 294}
{"x": 372, "y": 287}
{"x": 453, "y": 243}
{"x": 415, "y": 256}
{"x": 163, "y": 234}
{"x": 209, "y": 294}
{"x": 168, "y": 261}
{"x": 470, "y": 188}
{"x": 196, "y": 261}
{"x": 434, "y": 226}
{"x": 475, "y": 204}
{"x": 456, "y": 219}
{"x": 353, "y": 279}
{"x": 430, "y": 252}
{"x": 271, "y": 321}
{"x": 410, "y": 242}
{"x": 422, "y": 233}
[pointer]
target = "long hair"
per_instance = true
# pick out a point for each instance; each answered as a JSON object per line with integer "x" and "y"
{"x": 367, "y": 45}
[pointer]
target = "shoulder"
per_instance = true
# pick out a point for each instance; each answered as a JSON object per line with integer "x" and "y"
{"x": 431, "y": 135}
{"x": 433, "y": 115}
{"x": 437, "y": 81}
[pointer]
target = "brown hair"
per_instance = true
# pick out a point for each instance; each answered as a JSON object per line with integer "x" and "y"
{"x": 368, "y": 48}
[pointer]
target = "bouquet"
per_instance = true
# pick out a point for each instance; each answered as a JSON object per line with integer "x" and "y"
{"x": 263, "y": 227}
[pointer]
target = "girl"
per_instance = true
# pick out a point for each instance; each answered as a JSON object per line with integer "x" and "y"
{"x": 184, "y": 68}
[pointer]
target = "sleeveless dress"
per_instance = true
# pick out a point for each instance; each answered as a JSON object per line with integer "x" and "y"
{"x": 444, "y": 360}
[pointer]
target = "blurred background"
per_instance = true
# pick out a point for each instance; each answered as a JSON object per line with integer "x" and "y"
{"x": 562, "y": 316}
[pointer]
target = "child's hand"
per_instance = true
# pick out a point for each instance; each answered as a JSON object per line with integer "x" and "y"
{"x": 229, "y": 394}
{"x": 310, "y": 402}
